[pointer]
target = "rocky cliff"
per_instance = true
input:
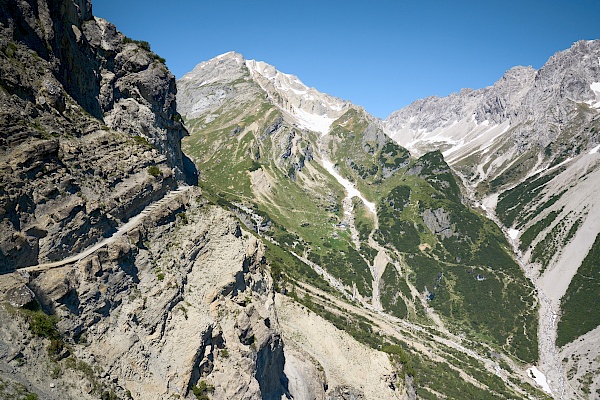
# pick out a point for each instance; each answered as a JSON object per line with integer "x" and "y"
{"x": 184, "y": 301}
{"x": 90, "y": 132}
{"x": 178, "y": 304}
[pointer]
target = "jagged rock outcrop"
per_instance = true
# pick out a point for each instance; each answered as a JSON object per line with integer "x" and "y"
{"x": 494, "y": 104}
{"x": 438, "y": 222}
{"x": 184, "y": 299}
{"x": 86, "y": 115}
{"x": 232, "y": 80}
{"x": 525, "y": 111}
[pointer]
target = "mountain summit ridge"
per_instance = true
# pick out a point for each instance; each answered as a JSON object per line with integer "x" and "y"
{"x": 307, "y": 106}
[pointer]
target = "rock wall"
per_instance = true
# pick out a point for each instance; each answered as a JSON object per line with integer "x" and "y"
{"x": 85, "y": 114}
{"x": 184, "y": 301}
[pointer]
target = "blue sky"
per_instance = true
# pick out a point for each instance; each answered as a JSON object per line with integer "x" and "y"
{"x": 381, "y": 55}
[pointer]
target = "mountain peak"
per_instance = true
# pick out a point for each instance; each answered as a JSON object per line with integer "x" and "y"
{"x": 312, "y": 109}
{"x": 230, "y": 55}
{"x": 221, "y": 64}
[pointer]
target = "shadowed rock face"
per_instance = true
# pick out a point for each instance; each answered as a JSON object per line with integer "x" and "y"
{"x": 84, "y": 113}
{"x": 109, "y": 77}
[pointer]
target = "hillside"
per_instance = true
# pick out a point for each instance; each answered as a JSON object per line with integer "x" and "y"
{"x": 527, "y": 150}
{"x": 346, "y": 211}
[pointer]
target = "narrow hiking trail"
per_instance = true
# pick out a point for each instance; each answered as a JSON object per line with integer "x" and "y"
{"x": 132, "y": 223}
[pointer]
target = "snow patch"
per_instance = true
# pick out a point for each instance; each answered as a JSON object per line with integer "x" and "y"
{"x": 546, "y": 169}
{"x": 596, "y": 89}
{"x": 224, "y": 54}
{"x": 513, "y": 233}
{"x": 297, "y": 91}
{"x": 350, "y": 188}
{"x": 313, "y": 122}
{"x": 300, "y": 98}
{"x": 539, "y": 378}
{"x": 594, "y": 150}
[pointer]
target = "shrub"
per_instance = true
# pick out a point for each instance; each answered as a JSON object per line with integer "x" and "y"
{"x": 580, "y": 303}
{"x": 255, "y": 166}
{"x": 159, "y": 58}
{"x": 154, "y": 171}
{"x": 142, "y": 43}
{"x": 42, "y": 325}
{"x": 202, "y": 390}
{"x": 183, "y": 217}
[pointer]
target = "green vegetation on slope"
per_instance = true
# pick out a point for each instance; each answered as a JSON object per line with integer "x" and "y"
{"x": 250, "y": 154}
{"x": 392, "y": 288}
{"x": 464, "y": 268}
{"x": 429, "y": 377}
{"x": 534, "y": 230}
{"x": 513, "y": 202}
{"x": 580, "y": 304}
{"x": 363, "y": 154}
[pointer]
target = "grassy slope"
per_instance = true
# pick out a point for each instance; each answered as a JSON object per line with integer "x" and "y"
{"x": 304, "y": 205}
{"x": 445, "y": 267}
{"x": 303, "y": 202}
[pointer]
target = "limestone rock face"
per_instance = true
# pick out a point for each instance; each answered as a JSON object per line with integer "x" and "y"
{"x": 438, "y": 222}
{"x": 192, "y": 302}
{"x": 526, "y": 110}
{"x": 197, "y": 95}
{"x": 309, "y": 107}
{"x": 85, "y": 112}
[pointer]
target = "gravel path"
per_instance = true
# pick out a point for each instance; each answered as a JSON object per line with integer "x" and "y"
{"x": 132, "y": 223}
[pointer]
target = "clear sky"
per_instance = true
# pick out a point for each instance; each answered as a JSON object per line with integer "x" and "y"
{"x": 381, "y": 55}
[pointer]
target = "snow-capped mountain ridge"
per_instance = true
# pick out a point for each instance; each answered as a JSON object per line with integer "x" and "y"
{"x": 524, "y": 110}
{"x": 308, "y": 107}
{"x": 312, "y": 109}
